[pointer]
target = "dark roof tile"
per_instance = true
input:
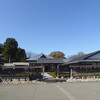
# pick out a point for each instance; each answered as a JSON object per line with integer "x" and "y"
{"x": 84, "y": 57}
{"x": 50, "y": 60}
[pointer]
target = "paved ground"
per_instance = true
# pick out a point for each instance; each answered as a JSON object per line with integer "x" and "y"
{"x": 51, "y": 91}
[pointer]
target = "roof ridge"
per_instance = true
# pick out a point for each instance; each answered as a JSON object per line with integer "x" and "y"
{"x": 91, "y": 54}
{"x": 36, "y": 57}
{"x": 84, "y": 56}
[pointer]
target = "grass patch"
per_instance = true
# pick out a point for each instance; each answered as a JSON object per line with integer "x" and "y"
{"x": 64, "y": 74}
{"x": 91, "y": 74}
{"x": 60, "y": 74}
{"x": 52, "y": 74}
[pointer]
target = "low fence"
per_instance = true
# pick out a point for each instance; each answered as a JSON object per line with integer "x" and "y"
{"x": 23, "y": 75}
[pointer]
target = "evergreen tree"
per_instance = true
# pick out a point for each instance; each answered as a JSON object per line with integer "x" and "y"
{"x": 1, "y": 48}
{"x": 20, "y": 55}
{"x": 10, "y": 49}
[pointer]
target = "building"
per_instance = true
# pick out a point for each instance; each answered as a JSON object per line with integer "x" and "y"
{"x": 85, "y": 66}
{"x": 34, "y": 66}
{"x": 46, "y": 63}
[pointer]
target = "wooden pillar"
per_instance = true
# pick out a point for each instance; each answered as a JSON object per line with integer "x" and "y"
{"x": 57, "y": 71}
{"x": 29, "y": 73}
{"x": 71, "y": 73}
{"x": 43, "y": 70}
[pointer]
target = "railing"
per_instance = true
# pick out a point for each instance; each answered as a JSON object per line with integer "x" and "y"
{"x": 84, "y": 65}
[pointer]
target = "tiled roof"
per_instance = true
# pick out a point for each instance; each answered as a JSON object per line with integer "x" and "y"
{"x": 50, "y": 60}
{"x": 38, "y": 56}
{"x": 84, "y": 57}
{"x": 42, "y": 59}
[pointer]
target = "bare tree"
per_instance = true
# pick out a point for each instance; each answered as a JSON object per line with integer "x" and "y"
{"x": 76, "y": 55}
{"x": 80, "y": 54}
{"x": 30, "y": 54}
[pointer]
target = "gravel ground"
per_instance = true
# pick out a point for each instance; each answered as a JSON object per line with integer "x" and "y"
{"x": 51, "y": 91}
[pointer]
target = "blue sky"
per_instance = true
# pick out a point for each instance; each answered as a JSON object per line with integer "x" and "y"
{"x": 44, "y": 26}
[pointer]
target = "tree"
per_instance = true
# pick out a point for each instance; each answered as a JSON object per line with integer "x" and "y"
{"x": 1, "y": 48}
{"x": 80, "y": 54}
{"x": 30, "y": 54}
{"x": 57, "y": 54}
{"x": 10, "y": 49}
{"x": 20, "y": 55}
{"x": 76, "y": 55}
